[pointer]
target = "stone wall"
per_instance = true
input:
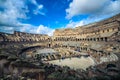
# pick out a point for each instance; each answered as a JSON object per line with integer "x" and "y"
{"x": 103, "y": 33}
{"x": 22, "y": 40}
{"x": 88, "y": 37}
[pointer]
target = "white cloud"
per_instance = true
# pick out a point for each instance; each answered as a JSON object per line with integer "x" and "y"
{"x": 45, "y": 30}
{"x": 7, "y": 29}
{"x": 34, "y": 2}
{"x": 39, "y": 8}
{"x": 41, "y": 29}
{"x": 73, "y": 24}
{"x": 14, "y": 11}
{"x": 101, "y": 7}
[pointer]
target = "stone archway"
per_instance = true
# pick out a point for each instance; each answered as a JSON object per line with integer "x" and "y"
{"x": 2, "y": 38}
{"x": 49, "y": 45}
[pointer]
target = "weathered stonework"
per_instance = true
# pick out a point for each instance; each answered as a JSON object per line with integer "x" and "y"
{"x": 100, "y": 37}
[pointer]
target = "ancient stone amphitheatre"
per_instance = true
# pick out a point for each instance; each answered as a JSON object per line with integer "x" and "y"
{"x": 83, "y": 53}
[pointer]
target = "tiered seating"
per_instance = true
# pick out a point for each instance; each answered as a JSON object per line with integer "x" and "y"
{"x": 107, "y": 34}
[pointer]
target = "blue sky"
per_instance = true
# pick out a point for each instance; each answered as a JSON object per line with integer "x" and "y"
{"x": 44, "y": 16}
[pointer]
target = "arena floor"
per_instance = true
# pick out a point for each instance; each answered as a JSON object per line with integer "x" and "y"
{"x": 74, "y": 63}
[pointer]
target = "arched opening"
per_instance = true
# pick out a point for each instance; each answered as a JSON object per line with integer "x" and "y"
{"x": 88, "y": 39}
{"x": 97, "y": 39}
{"x": 52, "y": 57}
{"x": 101, "y": 39}
{"x": 106, "y": 39}
{"x": 49, "y": 45}
{"x": 1, "y": 39}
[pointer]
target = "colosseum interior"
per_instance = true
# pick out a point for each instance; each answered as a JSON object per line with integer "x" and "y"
{"x": 83, "y": 52}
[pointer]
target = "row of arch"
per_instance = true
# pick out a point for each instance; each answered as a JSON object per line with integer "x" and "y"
{"x": 81, "y": 39}
{"x": 22, "y": 40}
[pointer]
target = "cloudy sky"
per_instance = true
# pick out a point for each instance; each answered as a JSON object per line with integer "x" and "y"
{"x": 44, "y": 16}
